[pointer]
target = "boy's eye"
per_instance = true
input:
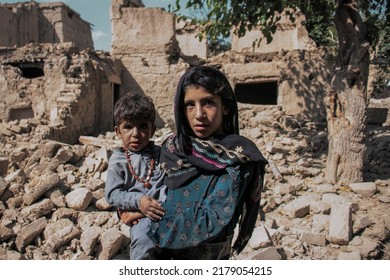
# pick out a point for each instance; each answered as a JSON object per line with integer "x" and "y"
{"x": 127, "y": 126}
{"x": 144, "y": 126}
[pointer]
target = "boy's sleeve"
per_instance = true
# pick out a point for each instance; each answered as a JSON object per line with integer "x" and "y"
{"x": 116, "y": 191}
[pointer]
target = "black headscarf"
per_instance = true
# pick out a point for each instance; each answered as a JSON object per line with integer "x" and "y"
{"x": 183, "y": 155}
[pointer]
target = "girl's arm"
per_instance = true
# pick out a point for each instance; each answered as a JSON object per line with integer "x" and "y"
{"x": 251, "y": 208}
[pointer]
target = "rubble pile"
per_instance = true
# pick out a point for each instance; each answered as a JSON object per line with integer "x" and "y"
{"x": 52, "y": 202}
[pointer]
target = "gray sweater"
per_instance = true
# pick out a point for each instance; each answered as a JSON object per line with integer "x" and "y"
{"x": 122, "y": 190}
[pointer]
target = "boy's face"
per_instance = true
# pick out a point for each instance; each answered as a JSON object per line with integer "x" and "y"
{"x": 135, "y": 135}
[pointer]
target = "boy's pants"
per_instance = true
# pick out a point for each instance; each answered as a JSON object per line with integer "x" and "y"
{"x": 141, "y": 246}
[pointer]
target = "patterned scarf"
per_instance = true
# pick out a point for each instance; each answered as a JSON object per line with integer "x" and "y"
{"x": 202, "y": 156}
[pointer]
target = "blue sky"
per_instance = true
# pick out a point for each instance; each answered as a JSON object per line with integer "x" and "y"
{"x": 97, "y": 12}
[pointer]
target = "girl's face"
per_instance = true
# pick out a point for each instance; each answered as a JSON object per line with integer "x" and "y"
{"x": 135, "y": 135}
{"x": 204, "y": 111}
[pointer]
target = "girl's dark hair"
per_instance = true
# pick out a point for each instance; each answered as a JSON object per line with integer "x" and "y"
{"x": 134, "y": 107}
{"x": 215, "y": 82}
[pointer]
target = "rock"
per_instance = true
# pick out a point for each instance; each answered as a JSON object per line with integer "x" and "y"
{"x": 260, "y": 238}
{"x": 365, "y": 189}
{"x": 298, "y": 208}
{"x": 270, "y": 253}
{"x": 89, "y": 239}
{"x": 350, "y": 256}
{"x": 38, "y": 209}
{"x": 38, "y": 187}
{"x": 3, "y": 185}
{"x": 6, "y": 233}
{"x": 367, "y": 247}
{"x": 94, "y": 184}
{"x": 340, "y": 224}
{"x": 3, "y": 166}
{"x": 79, "y": 199}
{"x": 58, "y": 234}
{"x": 92, "y": 229}
{"x": 313, "y": 238}
{"x": 110, "y": 244}
{"x": 28, "y": 233}
{"x": 64, "y": 154}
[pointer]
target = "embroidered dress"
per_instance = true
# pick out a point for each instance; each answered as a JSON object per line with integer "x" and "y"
{"x": 204, "y": 206}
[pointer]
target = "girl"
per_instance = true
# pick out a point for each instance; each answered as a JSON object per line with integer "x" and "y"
{"x": 214, "y": 176}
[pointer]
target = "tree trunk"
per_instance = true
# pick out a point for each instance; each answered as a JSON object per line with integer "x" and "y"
{"x": 347, "y": 98}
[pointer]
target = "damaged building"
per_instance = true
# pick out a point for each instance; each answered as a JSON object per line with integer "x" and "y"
{"x": 148, "y": 41}
{"x": 52, "y": 73}
{"x": 59, "y": 92}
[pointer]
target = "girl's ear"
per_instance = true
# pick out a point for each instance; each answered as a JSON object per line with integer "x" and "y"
{"x": 226, "y": 111}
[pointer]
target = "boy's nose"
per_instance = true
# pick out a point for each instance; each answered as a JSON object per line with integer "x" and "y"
{"x": 136, "y": 131}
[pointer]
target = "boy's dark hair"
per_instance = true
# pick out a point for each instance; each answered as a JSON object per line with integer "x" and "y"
{"x": 134, "y": 107}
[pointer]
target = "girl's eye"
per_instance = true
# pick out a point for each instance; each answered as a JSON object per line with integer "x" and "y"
{"x": 209, "y": 102}
{"x": 189, "y": 105}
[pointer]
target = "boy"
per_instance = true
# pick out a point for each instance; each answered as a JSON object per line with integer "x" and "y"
{"x": 134, "y": 177}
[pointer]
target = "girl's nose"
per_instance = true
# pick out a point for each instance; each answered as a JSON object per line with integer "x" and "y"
{"x": 199, "y": 112}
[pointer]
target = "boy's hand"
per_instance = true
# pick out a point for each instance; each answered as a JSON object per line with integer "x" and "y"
{"x": 151, "y": 208}
{"x": 130, "y": 218}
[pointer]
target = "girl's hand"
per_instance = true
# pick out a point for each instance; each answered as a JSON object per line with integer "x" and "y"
{"x": 151, "y": 208}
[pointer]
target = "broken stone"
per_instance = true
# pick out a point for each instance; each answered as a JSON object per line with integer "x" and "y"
{"x": 38, "y": 187}
{"x": 3, "y": 166}
{"x": 340, "y": 224}
{"x": 38, "y": 209}
{"x": 79, "y": 199}
{"x": 270, "y": 253}
{"x": 28, "y": 233}
{"x": 260, "y": 238}
{"x": 367, "y": 189}
{"x": 298, "y": 208}
{"x": 59, "y": 234}
{"x": 313, "y": 238}
{"x": 6, "y": 233}
{"x": 110, "y": 244}
{"x": 349, "y": 256}
{"x": 89, "y": 239}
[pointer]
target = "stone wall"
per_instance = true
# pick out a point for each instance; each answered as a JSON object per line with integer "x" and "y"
{"x": 19, "y": 24}
{"x": 27, "y": 22}
{"x": 301, "y": 79}
{"x": 288, "y": 36}
{"x": 144, "y": 41}
{"x": 188, "y": 42}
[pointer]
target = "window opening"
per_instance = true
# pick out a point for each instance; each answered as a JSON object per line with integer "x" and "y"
{"x": 262, "y": 93}
{"x": 30, "y": 70}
